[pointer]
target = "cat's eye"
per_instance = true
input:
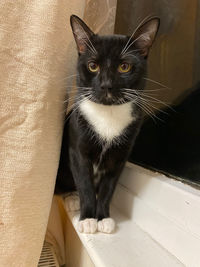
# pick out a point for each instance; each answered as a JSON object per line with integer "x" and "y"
{"x": 124, "y": 67}
{"x": 93, "y": 66}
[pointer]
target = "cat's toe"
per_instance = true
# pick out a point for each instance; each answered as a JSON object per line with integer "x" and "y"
{"x": 87, "y": 226}
{"x": 72, "y": 203}
{"x": 106, "y": 225}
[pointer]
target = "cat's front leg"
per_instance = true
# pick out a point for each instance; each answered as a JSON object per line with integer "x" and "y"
{"x": 82, "y": 173}
{"x": 106, "y": 188}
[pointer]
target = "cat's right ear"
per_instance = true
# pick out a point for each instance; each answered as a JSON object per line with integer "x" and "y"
{"x": 145, "y": 34}
{"x": 82, "y": 33}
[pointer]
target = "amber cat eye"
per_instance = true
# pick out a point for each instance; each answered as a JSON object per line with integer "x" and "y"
{"x": 93, "y": 66}
{"x": 124, "y": 67}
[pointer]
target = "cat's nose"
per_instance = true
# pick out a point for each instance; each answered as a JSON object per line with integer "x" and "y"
{"x": 106, "y": 86}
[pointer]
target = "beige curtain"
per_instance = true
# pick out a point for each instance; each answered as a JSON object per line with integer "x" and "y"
{"x": 36, "y": 54}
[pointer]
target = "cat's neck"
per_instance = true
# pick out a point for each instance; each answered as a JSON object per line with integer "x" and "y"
{"x": 108, "y": 121}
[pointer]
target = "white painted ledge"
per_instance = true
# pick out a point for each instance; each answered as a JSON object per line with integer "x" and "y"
{"x": 158, "y": 223}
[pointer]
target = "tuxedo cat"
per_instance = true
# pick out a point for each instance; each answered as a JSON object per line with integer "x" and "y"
{"x": 101, "y": 129}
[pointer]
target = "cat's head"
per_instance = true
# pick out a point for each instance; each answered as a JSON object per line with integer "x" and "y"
{"x": 111, "y": 68}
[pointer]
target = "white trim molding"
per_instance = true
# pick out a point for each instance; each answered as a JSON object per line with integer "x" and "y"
{"x": 158, "y": 223}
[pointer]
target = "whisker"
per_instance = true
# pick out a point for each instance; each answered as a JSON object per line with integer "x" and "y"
{"x": 151, "y": 93}
{"x": 152, "y": 106}
{"x": 146, "y": 110}
{"x": 129, "y": 94}
{"x": 72, "y": 88}
{"x": 155, "y": 100}
{"x": 148, "y": 96}
{"x": 150, "y": 80}
{"x": 140, "y": 24}
{"x": 130, "y": 90}
{"x": 144, "y": 105}
{"x": 70, "y": 76}
{"x": 145, "y": 90}
{"x": 71, "y": 98}
{"x": 77, "y": 106}
{"x": 122, "y": 101}
{"x": 80, "y": 98}
{"x": 158, "y": 101}
{"x": 66, "y": 78}
{"x": 152, "y": 114}
{"x": 154, "y": 90}
{"x": 133, "y": 42}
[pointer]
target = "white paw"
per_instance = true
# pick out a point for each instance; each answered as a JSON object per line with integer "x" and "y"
{"x": 72, "y": 203}
{"x": 106, "y": 225}
{"x": 87, "y": 226}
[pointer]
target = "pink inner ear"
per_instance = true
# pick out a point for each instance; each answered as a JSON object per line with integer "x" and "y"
{"x": 144, "y": 43}
{"x": 82, "y": 33}
{"x": 144, "y": 40}
{"x": 81, "y": 48}
{"x": 80, "y": 44}
{"x": 145, "y": 36}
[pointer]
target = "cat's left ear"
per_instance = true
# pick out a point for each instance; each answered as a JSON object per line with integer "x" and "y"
{"x": 145, "y": 35}
{"x": 82, "y": 33}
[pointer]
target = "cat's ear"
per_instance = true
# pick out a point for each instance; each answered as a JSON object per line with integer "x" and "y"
{"x": 145, "y": 35}
{"x": 82, "y": 33}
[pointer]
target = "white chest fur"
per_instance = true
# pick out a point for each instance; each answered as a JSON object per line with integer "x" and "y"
{"x": 108, "y": 121}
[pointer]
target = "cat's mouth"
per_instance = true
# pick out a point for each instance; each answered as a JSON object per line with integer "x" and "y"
{"x": 105, "y": 98}
{"x": 109, "y": 99}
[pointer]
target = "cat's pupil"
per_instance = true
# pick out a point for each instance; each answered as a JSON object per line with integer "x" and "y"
{"x": 93, "y": 65}
{"x": 124, "y": 66}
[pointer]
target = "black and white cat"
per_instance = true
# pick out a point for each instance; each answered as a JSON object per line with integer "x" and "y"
{"x": 102, "y": 129}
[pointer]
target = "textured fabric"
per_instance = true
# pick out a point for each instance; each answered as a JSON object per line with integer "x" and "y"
{"x": 36, "y": 54}
{"x": 100, "y": 15}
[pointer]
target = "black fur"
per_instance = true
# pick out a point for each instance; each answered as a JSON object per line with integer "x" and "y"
{"x": 109, "y": 49}
{"x": 82, "y": 147}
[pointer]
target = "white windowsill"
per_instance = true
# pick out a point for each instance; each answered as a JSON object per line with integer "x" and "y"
{"x": 158, "y": 223}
